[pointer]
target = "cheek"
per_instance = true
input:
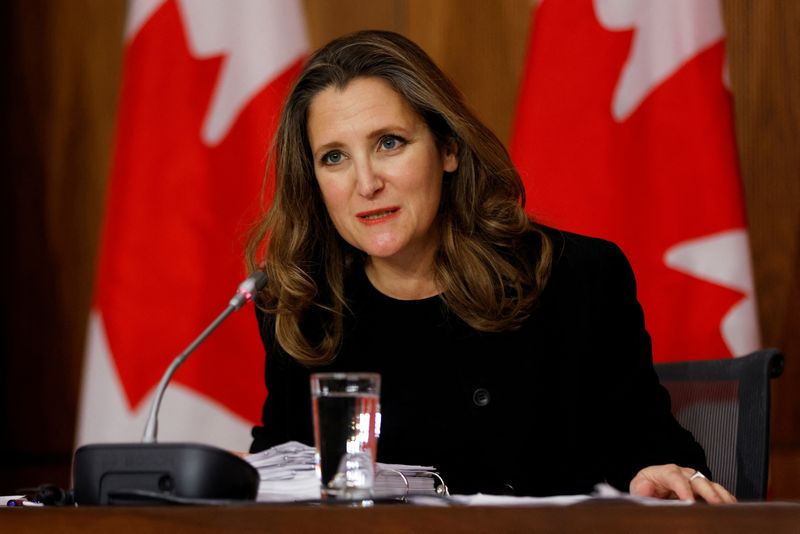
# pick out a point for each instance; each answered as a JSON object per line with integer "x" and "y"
{"x": 434, "y": 201}
{"x": 333, "y": 195}
{"x": 432, "y": 187}
{"x": 422, "y": 177}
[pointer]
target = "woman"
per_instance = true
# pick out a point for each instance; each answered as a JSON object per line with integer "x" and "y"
{"x": 513, "y": 356}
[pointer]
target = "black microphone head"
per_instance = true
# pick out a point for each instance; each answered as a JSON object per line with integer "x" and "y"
{"x": 248, "y": 289}
{"x": 259, "y": 279}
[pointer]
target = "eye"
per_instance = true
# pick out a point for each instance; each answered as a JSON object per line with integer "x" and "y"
{"x": 334, "y": 157}
{"x": 391, "y": 142}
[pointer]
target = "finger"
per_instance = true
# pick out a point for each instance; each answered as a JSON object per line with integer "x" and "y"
{"x": 730, "y": 498}
{"x": 724, "y": 494}
{"x": 711, "y": 492}
{"x": 678, "y": 483}
{"x": 704, "y": 489}
{"x": 643, "y": 487}
{"x": 688, "y": 471}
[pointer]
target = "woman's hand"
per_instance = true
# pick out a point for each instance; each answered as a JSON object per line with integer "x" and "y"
{"x": 674, "y": 482}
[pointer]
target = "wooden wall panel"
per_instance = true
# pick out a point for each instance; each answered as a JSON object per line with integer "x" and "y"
{"x": 764, "y": 55}
{"x": 59, "y": 105}
{"x": 327, "y": 19}
{"x": 481, "y": 46}
{"x": 765, "y": 73}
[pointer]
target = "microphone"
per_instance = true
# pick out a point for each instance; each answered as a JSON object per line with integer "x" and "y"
{"x": 151, "y": 472}
{"x": 244, "y": 294}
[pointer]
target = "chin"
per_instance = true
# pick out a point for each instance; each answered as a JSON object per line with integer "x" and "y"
{"x": 381, "y": 250}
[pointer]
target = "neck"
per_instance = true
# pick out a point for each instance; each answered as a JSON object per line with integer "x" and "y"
{"x": 403, "y": 283}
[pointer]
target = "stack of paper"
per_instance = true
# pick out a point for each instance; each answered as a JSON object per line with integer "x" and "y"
{"x": 399, "y": 479}
{"x": 287, "y": 474}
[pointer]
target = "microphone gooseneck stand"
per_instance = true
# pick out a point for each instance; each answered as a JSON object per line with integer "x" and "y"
{"x": 150, "y": 472}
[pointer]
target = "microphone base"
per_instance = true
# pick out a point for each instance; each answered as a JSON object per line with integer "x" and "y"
{"x": 142, "y": 473}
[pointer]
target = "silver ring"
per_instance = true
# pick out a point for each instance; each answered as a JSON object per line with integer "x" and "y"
{"x": 697, "y": 474}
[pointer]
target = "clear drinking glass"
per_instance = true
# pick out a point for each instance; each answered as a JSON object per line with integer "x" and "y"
{"x": 346, "y": 427}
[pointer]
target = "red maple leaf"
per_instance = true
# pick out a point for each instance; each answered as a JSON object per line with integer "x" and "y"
{"x": 177, "y": 211}
{"x": 666, "y": 174}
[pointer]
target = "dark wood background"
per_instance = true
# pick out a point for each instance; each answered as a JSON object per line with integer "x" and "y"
{"x": 59, "y": 101}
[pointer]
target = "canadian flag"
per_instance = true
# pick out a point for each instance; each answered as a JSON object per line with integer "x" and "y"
{"x": 624, "y": 130}
{"x": 202, "y": 84}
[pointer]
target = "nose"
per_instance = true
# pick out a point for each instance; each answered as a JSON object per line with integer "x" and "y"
{"x": 368, "y": 179}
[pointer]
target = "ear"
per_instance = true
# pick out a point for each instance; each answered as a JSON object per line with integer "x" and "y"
{"x": 450, "y": 155}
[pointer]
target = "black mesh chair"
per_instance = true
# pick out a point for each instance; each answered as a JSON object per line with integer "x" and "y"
{"x": 725, "y": 404}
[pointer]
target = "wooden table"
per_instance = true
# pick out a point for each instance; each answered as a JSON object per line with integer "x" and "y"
{"x": 608, "y": 516}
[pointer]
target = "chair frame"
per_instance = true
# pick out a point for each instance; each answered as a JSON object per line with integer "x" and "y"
{"x": 752, "y": 373}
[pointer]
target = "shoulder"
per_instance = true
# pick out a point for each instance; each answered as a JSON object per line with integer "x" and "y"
{"x": 582, "y": 258}
{"x": 569, "y": 246}
{"x": 591, "y": 282}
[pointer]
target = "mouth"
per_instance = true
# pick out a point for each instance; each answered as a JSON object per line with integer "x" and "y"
{"x": 377, "y": 215}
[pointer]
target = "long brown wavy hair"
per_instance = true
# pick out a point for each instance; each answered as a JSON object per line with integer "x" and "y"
{"x": 488, "y": 277}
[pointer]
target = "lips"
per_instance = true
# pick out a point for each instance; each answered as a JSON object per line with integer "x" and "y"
{"x": 378, "y": 215}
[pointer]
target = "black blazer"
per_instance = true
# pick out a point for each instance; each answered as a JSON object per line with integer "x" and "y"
{"x": 568, "y": 400}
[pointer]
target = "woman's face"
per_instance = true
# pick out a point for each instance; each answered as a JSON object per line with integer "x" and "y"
{"x": 379, "y": 170}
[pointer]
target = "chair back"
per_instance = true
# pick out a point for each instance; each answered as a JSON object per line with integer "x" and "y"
{"x": 725, "y": 404}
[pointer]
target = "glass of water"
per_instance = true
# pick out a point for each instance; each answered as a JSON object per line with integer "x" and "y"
{"x": 346, "y": 427}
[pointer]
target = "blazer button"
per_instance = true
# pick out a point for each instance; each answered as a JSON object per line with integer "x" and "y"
{"x": 481, "y": 397}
